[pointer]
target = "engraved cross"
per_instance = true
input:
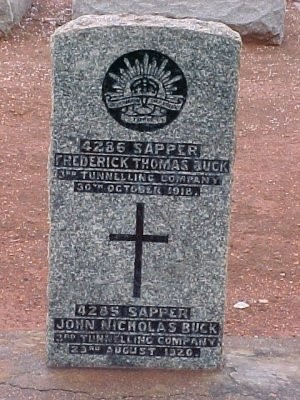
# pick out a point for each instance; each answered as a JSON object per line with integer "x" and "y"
{"x": 138, "y": 238}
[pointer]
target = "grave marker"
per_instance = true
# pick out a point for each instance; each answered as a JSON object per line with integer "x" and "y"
{"x": 140, "y": 174}
{"x": 259, "y": 19}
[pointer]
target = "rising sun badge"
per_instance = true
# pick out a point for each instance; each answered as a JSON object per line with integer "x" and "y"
{"x": 144, "y": 90}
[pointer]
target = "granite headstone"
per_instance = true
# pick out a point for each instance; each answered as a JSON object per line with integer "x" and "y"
{"x": 140, "y": 173}
{"x": 256, "y": 19}
{"x": 11, "y": 12}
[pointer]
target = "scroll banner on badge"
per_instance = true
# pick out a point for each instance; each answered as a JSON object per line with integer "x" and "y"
{"x": 137, "y": 101}
{"x": 144, "y": 119}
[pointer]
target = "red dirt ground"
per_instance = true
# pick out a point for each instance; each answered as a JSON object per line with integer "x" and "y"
{"x": 264, "y": 245}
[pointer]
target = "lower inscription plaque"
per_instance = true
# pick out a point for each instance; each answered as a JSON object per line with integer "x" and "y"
{"x": 135, "y": 330}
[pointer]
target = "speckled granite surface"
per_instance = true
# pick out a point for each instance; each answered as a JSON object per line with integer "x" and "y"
{"x": 140, "y": 174}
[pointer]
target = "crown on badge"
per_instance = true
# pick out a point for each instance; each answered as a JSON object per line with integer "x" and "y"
{"x": 145, "y": 78}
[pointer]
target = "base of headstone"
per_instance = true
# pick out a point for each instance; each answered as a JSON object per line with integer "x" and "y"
{"x": 254, "y": 368}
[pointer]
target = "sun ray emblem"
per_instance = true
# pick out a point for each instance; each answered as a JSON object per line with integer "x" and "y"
{"x": 144, "y": 90}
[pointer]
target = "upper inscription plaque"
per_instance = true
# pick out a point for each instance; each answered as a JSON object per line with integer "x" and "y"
{"x": 144, "y": 90}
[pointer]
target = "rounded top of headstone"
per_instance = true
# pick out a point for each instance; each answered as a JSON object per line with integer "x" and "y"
{"x": 97, "y": 21}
